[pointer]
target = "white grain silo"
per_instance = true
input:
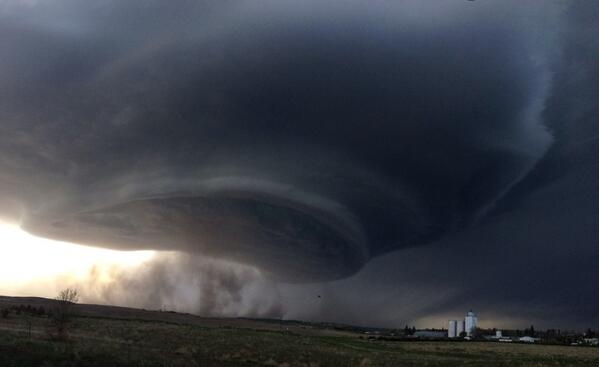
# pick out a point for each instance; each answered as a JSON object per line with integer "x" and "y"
{"x": 470, "y": 322}
{"x": 452, "y": 330}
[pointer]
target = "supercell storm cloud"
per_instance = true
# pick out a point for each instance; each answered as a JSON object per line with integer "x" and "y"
{"x": 303, "y": 138}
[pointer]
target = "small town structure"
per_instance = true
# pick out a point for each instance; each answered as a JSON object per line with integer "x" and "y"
{"x": 429, "y": 334}
{"x": 460, "y": 327}
{"x": 470, "y": 322}
{"x": 591, "y": 341}
{"x": 527, "y": 339}
{"x": 457, "y": 327}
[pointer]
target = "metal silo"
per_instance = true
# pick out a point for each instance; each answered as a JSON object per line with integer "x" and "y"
{"x": 470, "y": 321}
{"x": 452, "y": 329}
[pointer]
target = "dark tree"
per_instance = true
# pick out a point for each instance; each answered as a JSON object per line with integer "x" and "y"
{"x": 62, "y": 310}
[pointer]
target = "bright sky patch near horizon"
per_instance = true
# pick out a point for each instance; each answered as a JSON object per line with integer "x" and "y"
{"x": 28, "y": 263}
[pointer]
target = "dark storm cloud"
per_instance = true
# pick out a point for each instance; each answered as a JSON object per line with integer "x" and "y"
{"x": 533, "y": 258}
{"x": 304, "y": 138}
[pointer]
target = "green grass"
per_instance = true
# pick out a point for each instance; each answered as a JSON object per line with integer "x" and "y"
{"x": 116, "y": 342}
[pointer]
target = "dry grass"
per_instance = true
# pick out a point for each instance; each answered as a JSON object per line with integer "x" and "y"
{"x": 108, "y": 341}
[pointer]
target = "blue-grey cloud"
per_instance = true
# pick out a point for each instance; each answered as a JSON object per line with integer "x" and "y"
{"x": 303, "y": 139}
{"x": 532, "y": 258}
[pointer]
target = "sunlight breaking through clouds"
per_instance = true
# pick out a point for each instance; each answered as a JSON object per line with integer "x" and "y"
{"x": 28, "y": 262}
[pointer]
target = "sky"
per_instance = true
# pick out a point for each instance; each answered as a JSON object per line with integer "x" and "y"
{"x": 374, "y": 164}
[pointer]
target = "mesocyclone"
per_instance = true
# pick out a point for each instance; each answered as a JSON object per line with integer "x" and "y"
{"x": 304, "y": 140}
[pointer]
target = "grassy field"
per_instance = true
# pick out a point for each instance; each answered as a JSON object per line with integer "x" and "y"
{"x": 142, "y": 341}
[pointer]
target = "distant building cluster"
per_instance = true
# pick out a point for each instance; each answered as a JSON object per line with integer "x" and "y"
{"x": 467, "y": 325}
